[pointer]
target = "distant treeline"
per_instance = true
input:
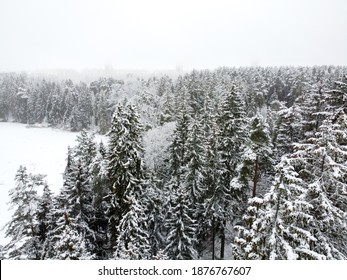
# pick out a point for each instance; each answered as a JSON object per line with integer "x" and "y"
{"x": 84, "y": 106}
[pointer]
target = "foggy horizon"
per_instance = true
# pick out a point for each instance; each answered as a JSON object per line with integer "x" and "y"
{"x": 164, "y": 35}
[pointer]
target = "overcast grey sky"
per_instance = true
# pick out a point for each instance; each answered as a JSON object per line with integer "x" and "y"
{"x": 161, "y": 34}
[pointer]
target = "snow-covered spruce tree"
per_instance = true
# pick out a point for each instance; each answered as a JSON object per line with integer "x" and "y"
{"x": 322, "y": 166}
{"x": 196, "y": 92}
{"x": 257, "y": 156}
{"x": 278, "y": 226}
{"x": 337, "y": 97}
{"x": 21, "y": 108}
{"x": 194, "y": 168}
{"x": 165, "y": 91}
{"x": 156, "y": 208}
{"x": 99, "y": 182}
{"x": 217, "y": 214}
{"x": 22, "y": 230}
{"x": 193, "y": 176}
{"x": 55, "y": 105}
{"x": 181, "y": 189}
{"x": 40, "y": 100}
{"x": 58, "y": 210}
{"x": 69, "y": 96}
{"x": 125, "y": 167}
{"x": 83, "y": 157}
{"x": 249, "y": 241}
{"x": 257, "y": 90}
{"x": 181, "y": 96}
{"x": 32, "y": 96}
{"x": 85, "y": 150}
{"x": 288, "y": 130}
{"x": 98, "y": 171}
{"x": 103, "y": 115}
{"x": 44, "y": 219}
{"x": 214, "y": 194}
{"x": 178, "y": 147}
{"x": 75, "y": 198}
{"x": 81, "y": 114}
{"x": 67, "y": 242}
{"x": 232, "y": 137}
{"x": 208, "y": 116}
{"x": 133, "y": 239}
{"x": 181, "y": 227}
{"x": 314, "y": 109}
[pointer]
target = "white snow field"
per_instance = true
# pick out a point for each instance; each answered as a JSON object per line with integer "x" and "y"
{"x": 42, "y": 150}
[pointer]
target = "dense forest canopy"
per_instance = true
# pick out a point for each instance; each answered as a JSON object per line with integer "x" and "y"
{"x": 76, "y": 106}
{"x": 243, "y": 163}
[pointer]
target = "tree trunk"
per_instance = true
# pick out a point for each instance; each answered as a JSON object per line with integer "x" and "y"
{"x": 255, "y": 177}
{"x": 222, "y": 241}
{"x": 213, "y": 238}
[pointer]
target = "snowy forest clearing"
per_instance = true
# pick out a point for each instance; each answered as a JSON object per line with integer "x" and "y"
{"x": 41, "y": 150}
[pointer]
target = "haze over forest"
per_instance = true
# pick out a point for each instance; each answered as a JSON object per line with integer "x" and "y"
{"x": 163, "y": 35}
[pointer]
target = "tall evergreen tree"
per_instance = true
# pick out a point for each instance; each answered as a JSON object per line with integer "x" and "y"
{"x": 124, "y": 166}
{"x": 85, "y": 150}
{"x": 22, "y": 230}
{"x": 258, "y": 154}
{"x": 185, "y": 170}
{"x": 178, "y": 148}
{"x": 181, "y": 96}
{"x": 194, "y": 167}
{"x": 214, "y": 193}
{"x": 76, "y": 196}
{"x": 181, "y": 228}
{"x": 54, "y": 106}
{"x": 322, "y": 166}
{"x": 232, "y": 135}
{"x": 337, "y": 97}
{"x": 314, "y": 109}
{"x": 156, "y": 201}
{"x": 278, "y": 226}
{"x": 133, "y": 239}
{"x": 103, "y": 115}
{"x": 289, "y": 128}
{"x": 68, "y": 243}
{"x": 44, "y": 219}
{"x": 99, "y": 182}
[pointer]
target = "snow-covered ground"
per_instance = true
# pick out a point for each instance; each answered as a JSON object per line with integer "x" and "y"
{"x": 41, "y": 150}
